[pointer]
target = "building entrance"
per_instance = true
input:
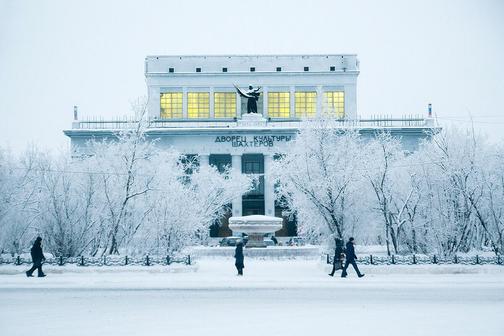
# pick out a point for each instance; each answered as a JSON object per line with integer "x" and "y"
{"x": 253, "y": 201}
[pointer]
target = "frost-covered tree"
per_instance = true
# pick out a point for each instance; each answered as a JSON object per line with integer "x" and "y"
{"x": 126, "y": 175}
{"x": 390, "y": 185}
{"x": 187, "y": 200}
{"x": 21, "y": 189}
{"x": 452, "y": 180}
{"x": 489, "y": 205}
{"x": 66, "y": 206}
{"x": 463, "y": 186}
{"x": 318, "y": 178}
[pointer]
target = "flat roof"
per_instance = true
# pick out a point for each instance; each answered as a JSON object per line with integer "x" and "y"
{"x": 255, "y": 55}
{"x": 328, "y": 63}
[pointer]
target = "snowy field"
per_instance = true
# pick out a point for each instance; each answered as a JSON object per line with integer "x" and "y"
{"x": 291, "y": 297}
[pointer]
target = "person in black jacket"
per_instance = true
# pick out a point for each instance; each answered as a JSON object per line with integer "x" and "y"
{"x": 351, "y": 258}
{"x": 338, "y": 257}
{"x": 37, "y": 258}
{"x": 239, "y": 258}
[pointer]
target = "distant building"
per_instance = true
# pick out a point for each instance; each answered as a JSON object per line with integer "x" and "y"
{"x": 194, "y": 106}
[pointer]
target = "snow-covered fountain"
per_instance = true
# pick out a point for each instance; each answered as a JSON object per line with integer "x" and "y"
{"x": 255, "y": 226}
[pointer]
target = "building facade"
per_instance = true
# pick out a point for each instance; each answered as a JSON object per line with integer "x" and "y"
{"x": 195, "y": 106}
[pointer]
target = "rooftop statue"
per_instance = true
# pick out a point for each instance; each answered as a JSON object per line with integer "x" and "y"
{"x": 252, "y": 96}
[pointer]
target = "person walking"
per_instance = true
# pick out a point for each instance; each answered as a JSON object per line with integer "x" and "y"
{"x": 37, "y": 258}
{"x": 338, "y": 256}
{"x": 350, "y": 258}
{"x": 239, "y": 258}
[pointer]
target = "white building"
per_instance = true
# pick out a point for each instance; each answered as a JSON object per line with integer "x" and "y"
{"x": 193, "y": 105}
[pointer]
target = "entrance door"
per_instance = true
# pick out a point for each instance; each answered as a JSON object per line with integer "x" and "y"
{"x": 253, "y": 206}
{"x": 253, "y": 201}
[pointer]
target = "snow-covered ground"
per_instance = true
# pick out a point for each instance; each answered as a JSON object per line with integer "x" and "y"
{"x": 289, "y": 297}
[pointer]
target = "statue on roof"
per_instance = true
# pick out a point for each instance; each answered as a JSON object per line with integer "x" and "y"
{"x": 252, "y": 96}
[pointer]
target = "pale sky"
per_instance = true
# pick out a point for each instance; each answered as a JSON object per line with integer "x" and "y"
{"x": 57, "y": 54}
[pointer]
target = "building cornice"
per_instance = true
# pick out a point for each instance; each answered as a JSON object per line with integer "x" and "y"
{"x": 251, "y": 55}
{"x": 89, "y": 133}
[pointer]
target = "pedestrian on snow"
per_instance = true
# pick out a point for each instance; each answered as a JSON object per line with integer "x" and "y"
{"x": 37, "y": 258}
{"x": 239, "y": 258}
{"x": 351, "y": 258}
{"x": 273, "y": 238}
{"x": 339, "y": 256}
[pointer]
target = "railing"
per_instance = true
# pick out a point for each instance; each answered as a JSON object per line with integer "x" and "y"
{"x": 375, "y": 121}
{"x": 103, "y": 261}
{"x": 423, "y": 260}
{"x": 361, "y": 123}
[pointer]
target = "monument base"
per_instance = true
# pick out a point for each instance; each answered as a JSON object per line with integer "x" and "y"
{"x": 255, "y": 240}
{"x": 252, "y": 120}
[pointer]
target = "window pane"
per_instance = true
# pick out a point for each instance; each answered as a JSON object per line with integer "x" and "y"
{"x": 305, "y": 104}
{"x": 171, "y": 105}
{"x": 198, "y": 105}
{"x": 279, "y": 104}
{"x": 224, "y": 104}
{"x": 334, "y": 104}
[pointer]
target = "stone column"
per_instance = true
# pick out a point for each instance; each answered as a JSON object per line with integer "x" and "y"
{"x": 184, "y": 102}
{"x": 292, "y": 102}
{"x": 154, "y": 107}
{"x": 204, "y": 160}
{"x": 269, "y": 187}
{"x": 237, "y": 202}
{"x": 212, "y": 103}
{"x": 350, "y": 101}
{"x": 265, "y": 102}
{"x": 320, "y": 100}
{"x": 238, "y": 106}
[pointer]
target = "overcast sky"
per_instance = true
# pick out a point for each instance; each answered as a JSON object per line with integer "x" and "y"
{"x": 56, "y": 54}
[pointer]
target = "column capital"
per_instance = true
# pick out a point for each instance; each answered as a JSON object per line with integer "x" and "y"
{"x": 320, "y": 101}
{"x": 212, "y": 102}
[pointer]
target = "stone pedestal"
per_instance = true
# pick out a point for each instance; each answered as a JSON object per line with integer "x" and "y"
{"x": 252, "y": 120}
{"x": 255, "y": 240}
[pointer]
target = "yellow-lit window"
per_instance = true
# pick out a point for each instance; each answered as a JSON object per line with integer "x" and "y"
{"x": 306, "y": 104}
{"x": 278, "y": 104}
{"x": 224, "y": 104}
{"x": 171, "y": 105}
{"x": 335, "y": 103}
{"x": 198, "y": 105}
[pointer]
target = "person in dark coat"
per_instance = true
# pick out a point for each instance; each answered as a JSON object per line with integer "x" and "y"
{"x": 338, "y": 257}
{"x": 239, "y": 258}
{"x": 37, "y": 258}
{"x": 274, "y": 239}
{"x": 350, "y": 258}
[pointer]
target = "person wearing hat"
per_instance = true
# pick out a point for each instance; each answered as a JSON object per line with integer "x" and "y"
{"x": 351, "y": 258}
{"x": 37, "y": 258}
